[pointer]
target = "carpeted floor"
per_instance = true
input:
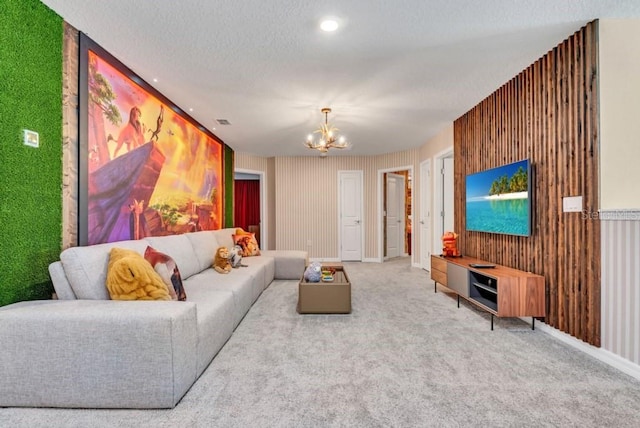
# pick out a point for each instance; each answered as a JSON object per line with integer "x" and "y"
{"x": 405, "y": 357}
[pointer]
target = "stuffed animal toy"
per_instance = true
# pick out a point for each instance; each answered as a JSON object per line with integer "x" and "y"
{"x": 221, "y": 262}
{"x": 313, "y": 272}
{"x": 449, "y": 245}
{"x": 235, "y": 257}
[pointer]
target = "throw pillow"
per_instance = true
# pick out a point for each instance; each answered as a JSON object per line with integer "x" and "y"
{"x": 168, "y": 270}
{"x": 131, "y": 277}
{"x": 248, "y": 244}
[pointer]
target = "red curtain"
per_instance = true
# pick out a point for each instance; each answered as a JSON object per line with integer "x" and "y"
{"x": 247, "y": 203}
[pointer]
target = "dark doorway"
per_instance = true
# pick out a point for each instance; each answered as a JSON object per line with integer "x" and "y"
{"x": 247, "y": 206}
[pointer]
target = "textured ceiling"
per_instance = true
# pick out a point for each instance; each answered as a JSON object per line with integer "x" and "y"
{"x": 395, "y": 73}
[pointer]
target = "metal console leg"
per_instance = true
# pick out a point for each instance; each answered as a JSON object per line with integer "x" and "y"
{"x": 533, "y": 323}
{"x": 491, "y": 322}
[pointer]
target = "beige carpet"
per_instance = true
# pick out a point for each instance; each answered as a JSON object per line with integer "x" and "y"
{"x": 405, "y": 357}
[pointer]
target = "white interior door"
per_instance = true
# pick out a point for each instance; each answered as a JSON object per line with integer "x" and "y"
{"x": 425, "y": 215}
{"x": 447, "y": 195}
{"x": 350, "y": 215}
{"x": 395, "y": 215}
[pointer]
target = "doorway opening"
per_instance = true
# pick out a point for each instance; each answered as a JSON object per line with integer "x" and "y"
{"x": 395, "y": 213}
{"x": 249, "y": 199}
{"x": 443, "y": 191}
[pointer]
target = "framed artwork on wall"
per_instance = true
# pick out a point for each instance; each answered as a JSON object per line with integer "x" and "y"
{"x": 146, "y": 168}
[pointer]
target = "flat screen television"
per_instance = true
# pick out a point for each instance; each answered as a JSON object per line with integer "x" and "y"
{"x": 498, "y": 200}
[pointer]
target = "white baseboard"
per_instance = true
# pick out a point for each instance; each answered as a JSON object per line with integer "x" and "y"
{"x": 603, "y": 355}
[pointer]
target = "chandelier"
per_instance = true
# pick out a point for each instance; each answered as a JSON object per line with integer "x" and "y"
{"x": 328, "y": 138}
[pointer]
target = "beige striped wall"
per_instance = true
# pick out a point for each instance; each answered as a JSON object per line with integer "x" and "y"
{"x": 620, "y": 287}
{"x": 246, "y": 161}
{"x": 306, "y": 198}
{"x": 254, "y": 163}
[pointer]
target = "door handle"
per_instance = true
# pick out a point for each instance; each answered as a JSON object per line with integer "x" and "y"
{"x": 357, "y": 221}
{"x": 421, "y": 221}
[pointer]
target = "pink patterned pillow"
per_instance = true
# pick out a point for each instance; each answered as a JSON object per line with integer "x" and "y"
{"x": 168, "y": 271}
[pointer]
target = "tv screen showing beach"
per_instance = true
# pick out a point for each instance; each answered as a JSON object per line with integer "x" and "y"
{"x": 497, "y": 200}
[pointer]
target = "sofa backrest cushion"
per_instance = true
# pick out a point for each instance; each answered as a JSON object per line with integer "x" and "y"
{"x": 86, "y": 267}
{"x": 180, "y": 249}
{"x": 224, "y": 237}
{"x": 205, "y": 245}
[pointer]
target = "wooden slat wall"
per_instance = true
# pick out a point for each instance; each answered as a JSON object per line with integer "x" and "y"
{"x": 549, "y": 114}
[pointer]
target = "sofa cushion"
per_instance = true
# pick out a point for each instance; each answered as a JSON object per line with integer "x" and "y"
{"x": 241, "y": 285}
{"x": 205, "y": 245}
{"x": 180, "y": 249}
{"x": 223, "y": 236}
{"x": 131, "y": 277}
{"x": 290, "y": 264}
{"x": 168, "y": 270}
{"x": 264, "y": 267}
{"x": 86, "y": 267}
{"x": 215, "y": 319}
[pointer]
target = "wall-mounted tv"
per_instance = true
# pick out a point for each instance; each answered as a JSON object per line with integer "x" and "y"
{"x": 498, "y": 200}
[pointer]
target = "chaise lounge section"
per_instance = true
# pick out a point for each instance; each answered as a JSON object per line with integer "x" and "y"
{"x": 87, "y": 351}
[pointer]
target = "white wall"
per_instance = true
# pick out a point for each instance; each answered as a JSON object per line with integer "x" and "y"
{"x": 440, "y": 143}
{"x": 619, "y": 57}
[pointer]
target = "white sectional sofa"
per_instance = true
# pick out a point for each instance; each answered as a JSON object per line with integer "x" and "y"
{"x": 87, "y": 351}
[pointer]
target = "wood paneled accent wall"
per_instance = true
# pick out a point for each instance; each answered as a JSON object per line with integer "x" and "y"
{"x": 549, "y": 114}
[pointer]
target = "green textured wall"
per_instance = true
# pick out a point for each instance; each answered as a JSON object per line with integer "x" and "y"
{"x": 30, "y": 178}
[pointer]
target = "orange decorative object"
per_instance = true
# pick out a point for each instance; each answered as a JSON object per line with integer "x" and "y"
{"x": 449, "y": 245}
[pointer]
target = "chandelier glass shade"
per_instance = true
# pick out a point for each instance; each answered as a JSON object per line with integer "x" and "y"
{"x": 327, "y": 137}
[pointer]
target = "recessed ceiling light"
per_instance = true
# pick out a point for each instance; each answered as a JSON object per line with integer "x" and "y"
{"x": 329, "y": 25}
{"x": 155, "y": 79}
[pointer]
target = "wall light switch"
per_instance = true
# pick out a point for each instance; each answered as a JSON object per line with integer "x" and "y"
{"x": 572, "y": 204}
{"x": 31, "y": 138}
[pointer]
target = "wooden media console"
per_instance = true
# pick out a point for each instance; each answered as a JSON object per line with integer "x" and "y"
{"x": 500, "y": 290}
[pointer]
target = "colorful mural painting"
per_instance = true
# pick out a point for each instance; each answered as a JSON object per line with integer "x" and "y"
{"x": 151, "y": 170}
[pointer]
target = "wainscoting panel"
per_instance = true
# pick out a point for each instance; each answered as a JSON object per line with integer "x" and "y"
{"x": 621, "y": 284}
{"x": 548, "y": 114}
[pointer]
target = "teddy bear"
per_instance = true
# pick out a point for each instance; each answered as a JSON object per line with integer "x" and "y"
{"x": 221, "y": 262}
{"x": 449, "y": 246}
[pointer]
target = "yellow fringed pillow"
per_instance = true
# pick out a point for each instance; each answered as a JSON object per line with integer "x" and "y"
{"x": 131, "y": 277}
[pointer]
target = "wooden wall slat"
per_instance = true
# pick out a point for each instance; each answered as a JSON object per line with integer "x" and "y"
{"x": 549, "y": 114}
